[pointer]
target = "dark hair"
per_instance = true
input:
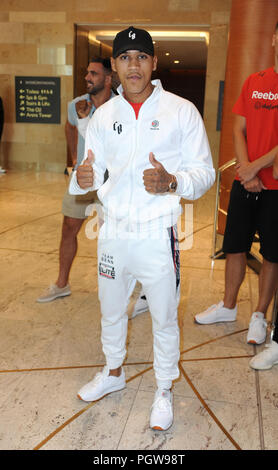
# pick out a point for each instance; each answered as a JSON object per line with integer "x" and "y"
{"x": 104, "y": 61}
{"x": 276, "y": 27}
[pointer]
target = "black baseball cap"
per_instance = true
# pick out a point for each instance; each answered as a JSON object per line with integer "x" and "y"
{"x": 133, "y": 39}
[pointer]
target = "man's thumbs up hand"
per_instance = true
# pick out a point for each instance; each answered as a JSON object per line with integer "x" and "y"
{"x": 90, "y": 158}
{"x": 155, "y": 163}
{"x": 156, "y": 179}
{"x": 84, "y": 173}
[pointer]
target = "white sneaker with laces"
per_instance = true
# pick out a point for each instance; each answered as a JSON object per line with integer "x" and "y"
{"x": 162, "y": 410}
{"x": 267, "y": 358}
{"x": 141, "y": 306}
{"x": 216, "y": 313}
{"x": 53, "y": 292}
{"x": 257, "y": 329}
{"x": 101, "y": 385}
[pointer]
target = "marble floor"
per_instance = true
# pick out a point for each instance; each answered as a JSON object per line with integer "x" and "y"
{"x": 48, "y": 351}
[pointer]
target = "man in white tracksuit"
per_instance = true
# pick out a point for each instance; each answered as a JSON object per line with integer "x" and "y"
{"x": 155, "y": 148}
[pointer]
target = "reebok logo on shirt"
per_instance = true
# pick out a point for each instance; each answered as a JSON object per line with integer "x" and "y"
{"x": 264, "y": 96}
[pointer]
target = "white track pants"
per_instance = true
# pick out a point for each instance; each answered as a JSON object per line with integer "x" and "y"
{"x": 154, "y": 262}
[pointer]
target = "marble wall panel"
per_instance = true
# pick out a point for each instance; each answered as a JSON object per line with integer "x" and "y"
{"x": 6, "y": 93}
{"x": 96, "y": 5}
{"x": 18, "y": 54}
{"x": 38, "y": 17}
{"x": 30, "y": 70}
{"x": 34, "y": 156}
{"x": 51, "y": 54}
{"x": 11, "y": 33}
{"x": 69, "y": 54}
{"x": 14, "y": 132}
{"x": 25, "y": 69}
{"x": 50, "y": 33}
{"x": 44, "y": 134}
{"x": 215, "y": 5}
{"x": 4, "y": 16}
{"x": 181, "y": 5}
{"x": 35, "y": 5}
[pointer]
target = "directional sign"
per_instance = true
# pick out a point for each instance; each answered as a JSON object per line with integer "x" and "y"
{"x": 37, "y": 100}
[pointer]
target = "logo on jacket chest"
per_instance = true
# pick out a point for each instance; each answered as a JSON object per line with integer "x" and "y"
{"x": 117, "y": 127}
{"x": 155, "y": 125}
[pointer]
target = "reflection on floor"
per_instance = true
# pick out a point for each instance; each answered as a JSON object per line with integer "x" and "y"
{"x": 48, "y": 351}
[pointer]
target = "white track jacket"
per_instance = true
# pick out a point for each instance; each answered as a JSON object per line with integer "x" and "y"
{"x": 170, "y": 127}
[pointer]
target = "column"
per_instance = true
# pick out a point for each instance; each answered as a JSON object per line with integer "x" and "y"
{"x": 252, "y": 25}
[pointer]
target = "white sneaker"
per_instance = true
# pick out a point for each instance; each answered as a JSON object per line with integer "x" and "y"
{"x": 257, "y": 329}
{"x": 53, "y": 292}
{"x": 267, "y": 358}
{"x": 216, "y": 313}
{"x": 162, "y": 410}
{"x": 141, "y": 306}
{"x": 101, "y": 385}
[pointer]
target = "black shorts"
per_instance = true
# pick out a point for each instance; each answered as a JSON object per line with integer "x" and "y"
{"x": 249, "y": 213}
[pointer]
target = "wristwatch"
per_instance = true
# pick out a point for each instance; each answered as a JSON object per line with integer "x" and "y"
{"x": 173, "y": 185}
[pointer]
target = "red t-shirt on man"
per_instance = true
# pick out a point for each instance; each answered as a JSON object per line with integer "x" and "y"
{"x": 258, "y": 103}
{"x": 136, "y": 107}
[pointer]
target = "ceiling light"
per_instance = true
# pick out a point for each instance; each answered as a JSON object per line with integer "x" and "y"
{"x": 176, "y": 61}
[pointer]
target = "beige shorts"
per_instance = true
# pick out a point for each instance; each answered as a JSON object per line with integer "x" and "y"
{"x": 77, "y": 207}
